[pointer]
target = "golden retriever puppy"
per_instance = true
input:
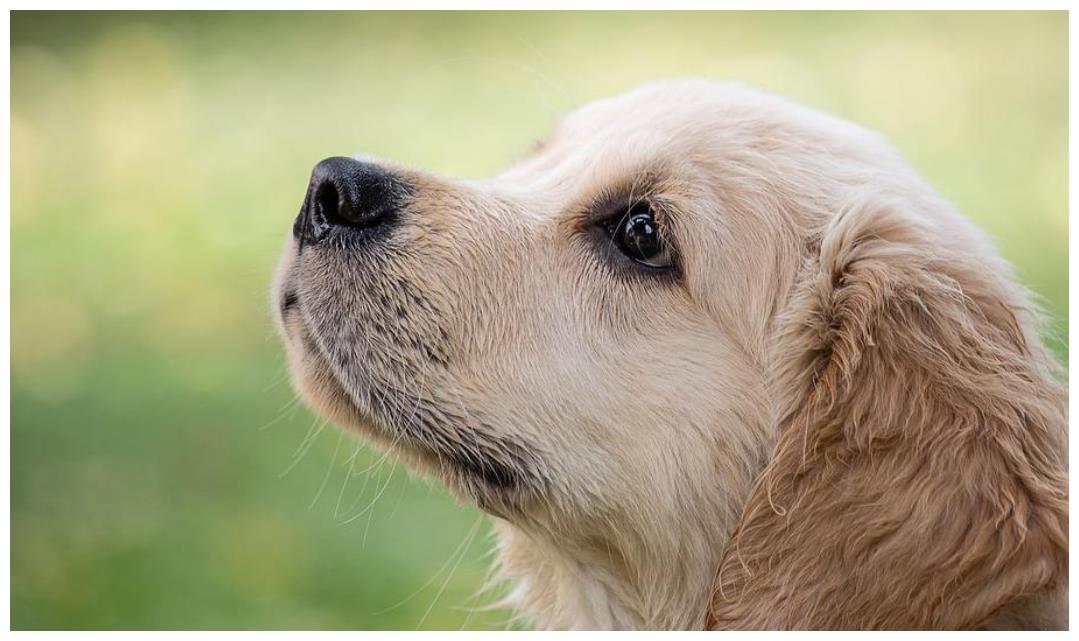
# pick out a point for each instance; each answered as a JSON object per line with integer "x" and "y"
{"x": 709, "y": 359}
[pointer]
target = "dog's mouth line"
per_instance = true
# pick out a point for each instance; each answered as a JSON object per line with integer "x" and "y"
{"x": 464, "y": 452}
{"x": 289, "y": 300}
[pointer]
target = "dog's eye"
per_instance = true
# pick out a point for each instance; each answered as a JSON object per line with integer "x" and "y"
{"x": 637, "y": 236}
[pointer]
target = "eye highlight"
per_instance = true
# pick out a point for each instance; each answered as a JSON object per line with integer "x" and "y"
{"x": 637, "y": 235}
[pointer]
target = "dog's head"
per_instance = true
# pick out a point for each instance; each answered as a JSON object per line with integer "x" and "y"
{"x": 694, "y": 312}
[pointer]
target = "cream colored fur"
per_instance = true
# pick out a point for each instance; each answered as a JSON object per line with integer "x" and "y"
{"x": 837, "y": 413}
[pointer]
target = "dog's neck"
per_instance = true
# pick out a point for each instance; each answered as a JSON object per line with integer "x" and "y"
{"x": 655, "y": 571}
{"x": 559, "y": 586}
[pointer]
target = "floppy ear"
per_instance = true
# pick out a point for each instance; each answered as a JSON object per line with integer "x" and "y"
{"x": 919, "y": 479}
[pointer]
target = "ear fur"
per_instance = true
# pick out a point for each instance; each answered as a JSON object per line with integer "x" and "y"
{"x": 919, "y": 479}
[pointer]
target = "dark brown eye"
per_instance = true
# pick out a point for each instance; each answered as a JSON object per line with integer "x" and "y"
{"x": 636, "y": 235}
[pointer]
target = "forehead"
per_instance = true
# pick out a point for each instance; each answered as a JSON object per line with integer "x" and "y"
{"x": 662, "y": 123}
{"x": 650, "y": 122}
{"x": 629, "y": 133}
{"x": 690, "y": 130}
{"x": 671, "y": 110}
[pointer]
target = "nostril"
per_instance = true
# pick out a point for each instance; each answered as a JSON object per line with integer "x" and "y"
{"x": 328, "y": 203}
{"x": 337, "y": 204}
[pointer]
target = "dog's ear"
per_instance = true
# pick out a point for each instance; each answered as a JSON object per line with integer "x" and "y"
{"x": 919, "y": 479}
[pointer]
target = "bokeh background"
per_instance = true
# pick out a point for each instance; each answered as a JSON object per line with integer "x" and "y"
{"x": 161, "y": 474}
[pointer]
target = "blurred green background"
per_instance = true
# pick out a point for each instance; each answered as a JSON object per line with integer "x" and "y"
{"x": 162, "y": 476}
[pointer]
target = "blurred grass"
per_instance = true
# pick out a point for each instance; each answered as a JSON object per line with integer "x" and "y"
{"x": 157, "y": 160}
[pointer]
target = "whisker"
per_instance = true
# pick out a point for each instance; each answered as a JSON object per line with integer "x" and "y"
{"x": 349, "y": 474}
{"x": 305, "y": 446}
{"x": 371, "y": 514}
{"x": 288, "y": 410}
{"x": 449, "y": 577}
{"x": 329, "y": 469}
{"x": 464, "y": 541}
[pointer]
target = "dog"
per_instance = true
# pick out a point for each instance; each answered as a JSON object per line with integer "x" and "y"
{"x": 709, "y": 359}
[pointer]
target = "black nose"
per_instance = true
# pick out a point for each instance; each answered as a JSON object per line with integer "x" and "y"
{"x": 347, "y": 193}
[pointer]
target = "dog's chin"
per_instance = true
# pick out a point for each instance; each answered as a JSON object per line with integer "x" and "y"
{"x": 495, "y": 487}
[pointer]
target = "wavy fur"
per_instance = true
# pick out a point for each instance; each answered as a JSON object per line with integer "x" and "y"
{"x": 836, "y": 412}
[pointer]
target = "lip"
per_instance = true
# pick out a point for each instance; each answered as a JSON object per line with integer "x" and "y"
{"x": 494, "y": 483}
{"x": 289, "y": 300}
